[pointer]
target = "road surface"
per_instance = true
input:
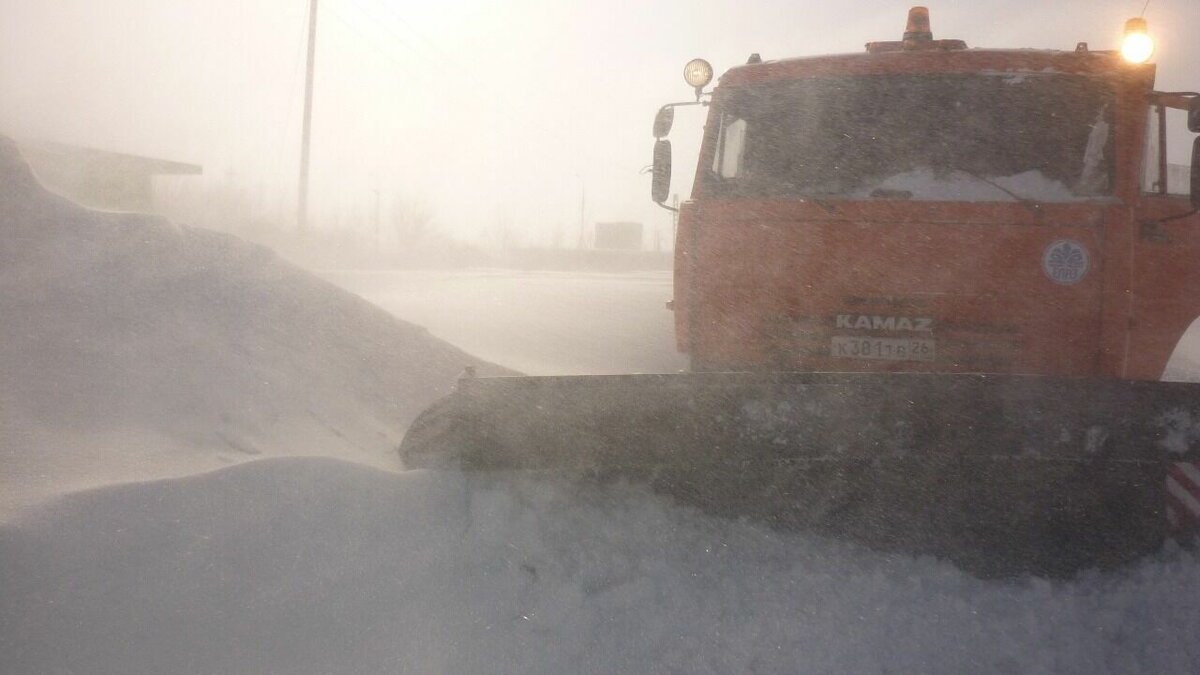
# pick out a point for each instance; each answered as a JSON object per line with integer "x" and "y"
{"x": 567, "y": 323}
{"x": 539, "y": 323}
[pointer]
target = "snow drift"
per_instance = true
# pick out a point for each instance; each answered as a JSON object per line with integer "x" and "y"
{"x": 132, "y": 348}
{"x": 318, "y": 566}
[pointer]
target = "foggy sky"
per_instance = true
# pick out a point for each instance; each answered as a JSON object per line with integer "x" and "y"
{"x": 489, "y": 112}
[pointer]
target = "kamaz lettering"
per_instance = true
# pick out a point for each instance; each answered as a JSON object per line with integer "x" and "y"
{"x": 892, "y": 323}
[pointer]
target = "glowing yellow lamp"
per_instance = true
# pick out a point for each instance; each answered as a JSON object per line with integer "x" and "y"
{"x": 1137, "y": 47}
{"x": 698, "y": 73}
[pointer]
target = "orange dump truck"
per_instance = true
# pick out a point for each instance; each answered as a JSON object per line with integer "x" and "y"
{"x": 927, "y": 292}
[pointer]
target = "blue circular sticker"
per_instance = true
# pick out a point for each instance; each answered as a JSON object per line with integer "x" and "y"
{"x": 1066, "y": 262}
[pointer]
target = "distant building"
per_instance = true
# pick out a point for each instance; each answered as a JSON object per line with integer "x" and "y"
{"x": 111, "y": 181}
{"x": 619, "y": 236}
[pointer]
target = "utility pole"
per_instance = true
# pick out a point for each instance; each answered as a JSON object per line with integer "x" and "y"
{"x": 302, "y": 205}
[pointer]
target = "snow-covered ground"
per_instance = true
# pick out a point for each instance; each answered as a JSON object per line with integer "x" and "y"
{"x": 137, "y": 359}
{"x": 320, "y": 566}
{"x": 540, "y": 323}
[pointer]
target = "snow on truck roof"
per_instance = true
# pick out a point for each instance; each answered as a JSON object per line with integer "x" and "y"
{"x": 984, "y": 61}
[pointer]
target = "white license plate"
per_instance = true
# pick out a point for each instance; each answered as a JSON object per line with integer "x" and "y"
{"x": 887, "y": 349}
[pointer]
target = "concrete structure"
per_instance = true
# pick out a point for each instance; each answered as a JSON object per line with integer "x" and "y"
{"x": 619, "y": 236}
{"x": 110, "y": 181}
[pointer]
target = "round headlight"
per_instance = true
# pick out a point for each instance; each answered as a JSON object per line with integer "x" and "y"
{"x": 1137, "y": 47}
{"x": 698, "y": 73}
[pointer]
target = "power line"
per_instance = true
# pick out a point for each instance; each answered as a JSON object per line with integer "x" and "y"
{"x": 477, "y": 96}
{"x": 375, "y": 44}
{"x": 432, "y": 57}
{"x": 484, "y": 92}
{"x": 413, "y": 29}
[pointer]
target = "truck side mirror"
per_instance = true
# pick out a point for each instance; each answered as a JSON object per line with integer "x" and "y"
{"x": 663, "y": 121}
{"x": 660, "y": 188}
{"x": 1194, "y": 115}
{"x": 1196, "y": 172}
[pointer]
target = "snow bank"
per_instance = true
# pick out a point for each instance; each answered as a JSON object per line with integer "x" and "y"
{"x": 318, "y": 566}
{"x": 132, "y": 348}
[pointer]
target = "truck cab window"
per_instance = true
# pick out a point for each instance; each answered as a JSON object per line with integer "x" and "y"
{"x": 948, "y": 137}
{"x": 1151, "y": 170}
{"x": 730, "y": 146}
{"x": 1173, "y": 176}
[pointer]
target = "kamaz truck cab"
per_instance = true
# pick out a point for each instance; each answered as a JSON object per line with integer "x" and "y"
{"x": 925, "y": 207}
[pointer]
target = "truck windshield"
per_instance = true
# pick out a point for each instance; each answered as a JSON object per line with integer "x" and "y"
{"x": 1003, "y": 137}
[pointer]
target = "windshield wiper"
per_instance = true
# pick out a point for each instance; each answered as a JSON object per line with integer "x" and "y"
{"x": 1025, "y": 201}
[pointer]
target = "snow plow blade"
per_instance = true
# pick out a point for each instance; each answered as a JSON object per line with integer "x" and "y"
{"x": 1002, "y": 475}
